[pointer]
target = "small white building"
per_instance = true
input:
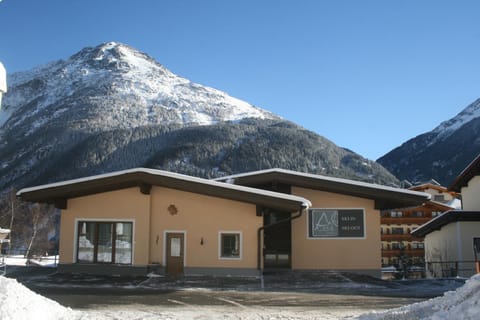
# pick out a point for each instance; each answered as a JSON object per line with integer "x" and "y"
{"x": 452, "y": 240}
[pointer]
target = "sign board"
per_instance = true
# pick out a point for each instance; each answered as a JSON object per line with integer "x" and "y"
{"x": 336, "y": 223}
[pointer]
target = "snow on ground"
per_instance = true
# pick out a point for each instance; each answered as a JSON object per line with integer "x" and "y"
{"x": 20, "y": 260}
{"x": 462, "y": 304}
{"x": 18, "y": 302}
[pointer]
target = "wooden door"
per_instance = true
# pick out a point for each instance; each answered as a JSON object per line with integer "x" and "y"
{"x": 175, "y": 253}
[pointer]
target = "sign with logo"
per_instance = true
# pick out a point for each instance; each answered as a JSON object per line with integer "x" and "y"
{"x": 336, "y": 223}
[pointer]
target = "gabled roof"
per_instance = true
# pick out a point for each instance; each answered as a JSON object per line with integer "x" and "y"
{"x": 385, "y": 197}
{"x": 446, "y": 218}
{"x": 438, "y": 206}
{"x": 58, "y": 193}
{"x": 472, "y": 170}
{"x": 426, "y": 186}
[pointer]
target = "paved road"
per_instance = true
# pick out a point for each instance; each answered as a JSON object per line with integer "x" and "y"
{"x": 92, "y": 300}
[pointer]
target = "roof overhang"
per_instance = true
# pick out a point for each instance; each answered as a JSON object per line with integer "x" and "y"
{"x": 472, "y": 170}
{"x": 384, "y": 197}
{"x": 59, "y": 193}
{"x": 444, "y": 219}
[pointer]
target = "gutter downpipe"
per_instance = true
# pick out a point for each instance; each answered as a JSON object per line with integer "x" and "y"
{"x": 259, "y": 241}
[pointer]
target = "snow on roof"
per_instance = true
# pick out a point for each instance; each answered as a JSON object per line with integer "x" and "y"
{"x": 352, "y": 183}
{"x": 165, "y": 174}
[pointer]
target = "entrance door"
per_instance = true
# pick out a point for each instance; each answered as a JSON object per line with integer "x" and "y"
{"x": 175, "y": 253}
{"x": 277, "y": 240}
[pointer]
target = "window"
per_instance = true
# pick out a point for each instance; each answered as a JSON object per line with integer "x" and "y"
{"x": 396, "y": 214}
{"x": 417, "y": 245}
{"x": 230, "y": 245}
{"x": 397, "y": 246}
{"x": 439, "y": 198}
{"x": 397, "y": 230}
{"x": 417, "y": 214}
{"x": 104, "y": 242}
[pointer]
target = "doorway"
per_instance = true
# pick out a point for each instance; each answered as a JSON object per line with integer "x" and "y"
{"x": 277, "y": 240}
{"x": 175, "y": 253}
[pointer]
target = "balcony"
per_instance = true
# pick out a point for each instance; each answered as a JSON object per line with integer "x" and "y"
{"x": 404, "y": 220}
{"x": 388, "y": 253}
{"x": 399, "y": 237}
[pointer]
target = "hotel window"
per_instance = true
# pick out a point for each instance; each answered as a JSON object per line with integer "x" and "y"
{"x": 104, "y": 242}
{"x": 397, "y": 230}
{"x": 396, "y": 246}
{"x": 230, "y": 245}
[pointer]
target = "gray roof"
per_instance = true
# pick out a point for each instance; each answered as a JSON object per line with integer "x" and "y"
{"x": 385, "y": 197}
{"x": 445, "y": 218}
{"x": 58, "y": 193}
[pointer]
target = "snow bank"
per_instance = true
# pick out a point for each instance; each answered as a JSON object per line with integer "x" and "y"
{"x": 19, "y": 303}
{"x": 462, "y": 304}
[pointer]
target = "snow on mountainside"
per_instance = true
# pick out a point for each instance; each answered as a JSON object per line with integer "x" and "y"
{"x": 447, "y": 128}
{"x": 440, "y": 154}
{"x": 51, "y": 109}
{"x": 112, "y": 107}
{"x": 116, "y": 72}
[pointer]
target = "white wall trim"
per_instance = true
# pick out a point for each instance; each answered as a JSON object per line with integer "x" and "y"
{"x": 220, "y": 244}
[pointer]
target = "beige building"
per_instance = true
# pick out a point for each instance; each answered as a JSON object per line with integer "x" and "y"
{"x": 452, "y": 240}
{"x": 143, "y": 220}
{"x": 341, "y": 229}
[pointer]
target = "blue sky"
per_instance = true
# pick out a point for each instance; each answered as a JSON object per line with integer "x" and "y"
{"x": 368, "y": 75}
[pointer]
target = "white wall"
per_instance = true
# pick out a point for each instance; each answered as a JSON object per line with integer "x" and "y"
{"x": 470, "y": 198}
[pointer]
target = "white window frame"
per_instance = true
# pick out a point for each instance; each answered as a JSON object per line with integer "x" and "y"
{"x": 75, "y": 236}
{"x": 240, "y": 240}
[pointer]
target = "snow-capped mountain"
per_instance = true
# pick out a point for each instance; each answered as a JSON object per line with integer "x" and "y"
{"x": 440, "y": 154}
{"x": 447, "y": 128}
{"x": 125, "y": 87}
{"x": 112, "y": 107}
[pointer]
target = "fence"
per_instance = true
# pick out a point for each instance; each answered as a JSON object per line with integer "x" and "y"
{"x": 442, "y": 269}
{"x": 19, "y": 259}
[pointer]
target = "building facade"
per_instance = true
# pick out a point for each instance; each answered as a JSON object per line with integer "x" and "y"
{"x": 142, "y": 220}
{"x": 452, "y": 240}
{"x": 400, "y": 249}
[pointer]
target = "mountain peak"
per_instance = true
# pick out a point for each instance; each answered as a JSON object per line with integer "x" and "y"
{"x": 440, "y": 154}
{"x": 120, "y": 85}
{"x": 471, "y": 112}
